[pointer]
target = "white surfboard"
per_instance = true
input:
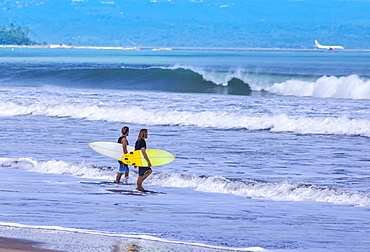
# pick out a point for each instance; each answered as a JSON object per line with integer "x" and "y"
{"x": 111, "y": 150}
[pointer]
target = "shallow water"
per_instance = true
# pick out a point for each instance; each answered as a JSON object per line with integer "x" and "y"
{"x": 286, "y": 171}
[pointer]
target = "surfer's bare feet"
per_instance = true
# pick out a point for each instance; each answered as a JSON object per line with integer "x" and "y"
{"x": 116, "y": 181}
{"x": 140, "y": 189}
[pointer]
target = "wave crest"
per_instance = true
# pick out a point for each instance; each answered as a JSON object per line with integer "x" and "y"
{"x": 347, "y": 87}
{"x": 189, "y": 79}
{"x": 207, "y": 119}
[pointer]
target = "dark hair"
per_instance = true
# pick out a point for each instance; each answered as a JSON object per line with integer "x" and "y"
{"x": 125, "y": 130}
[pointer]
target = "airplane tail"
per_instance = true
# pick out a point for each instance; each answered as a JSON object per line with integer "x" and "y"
{"x": 317, "y": 43}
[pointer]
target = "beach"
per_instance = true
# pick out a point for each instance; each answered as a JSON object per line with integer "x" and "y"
{"x": 272, "y": 149}
{"x": 16, "y": 245}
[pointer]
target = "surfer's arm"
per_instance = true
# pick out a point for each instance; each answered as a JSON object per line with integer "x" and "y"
{"x": 143, "y": 150}
{"x": 124, "y": 145}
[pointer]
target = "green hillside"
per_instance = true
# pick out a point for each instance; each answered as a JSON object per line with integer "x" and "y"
{"x": 15, "y": 35}
{"x": 191, "y": 23}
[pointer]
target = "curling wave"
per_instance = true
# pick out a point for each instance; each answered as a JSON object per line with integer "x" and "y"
{"x": 185, "y": 79}
{"x": 141, "y": 77}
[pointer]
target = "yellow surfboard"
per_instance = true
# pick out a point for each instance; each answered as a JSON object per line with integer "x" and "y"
{"x": 156, "y": 157}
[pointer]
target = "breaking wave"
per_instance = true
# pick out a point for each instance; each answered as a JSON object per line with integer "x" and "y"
{"x": 348, "y": 87}
{"x": 188, "y": 79}
{"x": 208, "y": 119}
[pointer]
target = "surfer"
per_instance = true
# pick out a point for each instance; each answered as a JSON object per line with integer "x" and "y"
{"x": 144, "y": 172}
{"x": 123, "y": 168}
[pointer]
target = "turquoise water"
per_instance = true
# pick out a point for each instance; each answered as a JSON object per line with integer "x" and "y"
{"x": 272, "y": 149}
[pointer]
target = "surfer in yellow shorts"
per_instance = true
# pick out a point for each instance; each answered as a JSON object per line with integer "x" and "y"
{"x": 123, "y": 168}
{"x": 144, "y": 172}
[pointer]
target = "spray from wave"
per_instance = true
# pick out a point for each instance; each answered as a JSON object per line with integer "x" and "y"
{"x": 348, "y": 87}
{"x": 246, "y": 78}
{"x": 283, "y": 191}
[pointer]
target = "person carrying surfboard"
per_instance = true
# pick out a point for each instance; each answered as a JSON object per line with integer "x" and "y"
{"x": 144, "y": 172}
{"x": 123, "y": 168}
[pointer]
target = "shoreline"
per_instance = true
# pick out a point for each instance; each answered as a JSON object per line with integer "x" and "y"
{"x": 20, "y": 245}
{"x": 178, "y": 48}
{"x": 20, "y": 238}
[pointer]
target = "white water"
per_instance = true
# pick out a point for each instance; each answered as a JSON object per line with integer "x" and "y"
{"x": 348, "y": 87}
{"x": 280, "y": 172}
{"x": 283, "y": 191}
{"x": 216, "y": 112}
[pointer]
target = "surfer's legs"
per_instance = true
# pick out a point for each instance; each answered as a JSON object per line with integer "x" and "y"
{"x": 118, "y": 177}
{"x": 144, "y": 172}
{"x": 123, "y": 168}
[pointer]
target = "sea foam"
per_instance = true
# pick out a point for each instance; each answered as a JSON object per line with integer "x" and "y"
{"x": 282, "y": 191}
{"x": 208, "y": 119}
{"x": 83, "y": 170}
{"x": 73, "y": 239}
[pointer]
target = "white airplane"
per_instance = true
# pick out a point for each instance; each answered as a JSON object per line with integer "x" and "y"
{"x": 327, "y": 47}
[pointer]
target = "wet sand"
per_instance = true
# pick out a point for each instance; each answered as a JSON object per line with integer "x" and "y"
{"x": 17, "y": 245}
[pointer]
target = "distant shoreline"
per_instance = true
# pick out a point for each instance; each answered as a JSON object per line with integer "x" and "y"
{"x": 176, "y": 48}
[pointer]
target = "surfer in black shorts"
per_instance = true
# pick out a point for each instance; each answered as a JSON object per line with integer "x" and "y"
{"x": 123, "y": 168}
{"x": 144, "y": 172}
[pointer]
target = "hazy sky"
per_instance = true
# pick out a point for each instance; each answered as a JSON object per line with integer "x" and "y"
{"x": 236, "y": 23}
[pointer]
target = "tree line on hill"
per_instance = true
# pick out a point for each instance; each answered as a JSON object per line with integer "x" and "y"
{"x": 15, "y": 35}
{"x": 187, "y": 23}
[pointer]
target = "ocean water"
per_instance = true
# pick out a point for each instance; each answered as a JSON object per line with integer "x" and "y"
{"x": 272, "y": 147}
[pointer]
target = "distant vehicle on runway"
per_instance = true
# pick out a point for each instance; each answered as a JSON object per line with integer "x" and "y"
{"x": 317, "y": 44}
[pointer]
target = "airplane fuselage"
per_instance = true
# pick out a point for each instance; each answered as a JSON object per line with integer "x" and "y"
{"x": 327, "y": 47}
